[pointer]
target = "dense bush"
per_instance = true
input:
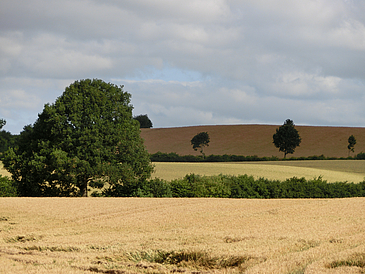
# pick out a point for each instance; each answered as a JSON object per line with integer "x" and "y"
{"x": 244, "y": 186}
{"x": 7, "y": 187}
{"x": 155, "y": 188}
{"x": 200, "y": 186}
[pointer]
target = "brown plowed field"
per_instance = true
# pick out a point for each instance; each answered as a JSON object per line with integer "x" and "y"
{"x": 251, "y": 140}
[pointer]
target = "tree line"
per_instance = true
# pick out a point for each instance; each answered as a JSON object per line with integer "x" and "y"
{"x": 174, "y": 157}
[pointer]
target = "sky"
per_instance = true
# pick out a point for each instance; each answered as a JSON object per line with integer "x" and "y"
{"x": 191, "y": 62}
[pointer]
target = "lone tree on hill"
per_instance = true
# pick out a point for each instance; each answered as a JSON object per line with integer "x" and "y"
{"x": 144, "y": 121}
{"x": 352, "y": 143}
{"x": 88, "y": 137}
{"x": 200, "y": 141}
{"x": 286, "y": 138}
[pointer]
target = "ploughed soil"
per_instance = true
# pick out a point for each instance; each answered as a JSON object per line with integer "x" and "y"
{"x": 249, "y": 140}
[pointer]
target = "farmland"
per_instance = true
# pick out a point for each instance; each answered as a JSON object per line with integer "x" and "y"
{"x": 139, "y": 235}
{"x": 194, "y": 235}
{"x": 251, "y": 140}
{"x": 330, "y": 170}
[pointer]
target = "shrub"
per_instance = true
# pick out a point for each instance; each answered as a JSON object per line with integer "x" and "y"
{"x": 7, "y": 187}
{"x": 155, "y": 188}
{"x": 245, "y": 186}
{"x": 360, "y": 156}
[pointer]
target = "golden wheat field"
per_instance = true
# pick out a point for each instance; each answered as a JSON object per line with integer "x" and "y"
{"x": 330, "y": 170}
{"x": 149, "y": 235}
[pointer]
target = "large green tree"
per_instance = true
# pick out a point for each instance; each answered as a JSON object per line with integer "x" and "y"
{"x": 88, "y": 137}
{"x": 287, "y": 138}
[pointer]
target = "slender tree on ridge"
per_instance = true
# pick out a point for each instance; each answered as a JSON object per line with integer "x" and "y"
{"x": 200, "y": 141}
{"x": 352, "y": 143}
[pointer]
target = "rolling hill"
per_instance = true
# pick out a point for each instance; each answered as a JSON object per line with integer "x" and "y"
{"x": 251, "y": 140}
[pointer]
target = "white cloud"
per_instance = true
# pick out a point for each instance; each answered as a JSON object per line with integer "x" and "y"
{"x": 191, "y": 62}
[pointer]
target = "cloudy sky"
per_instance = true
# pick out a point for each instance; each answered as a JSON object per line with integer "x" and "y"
{"x": 191, "y": 62}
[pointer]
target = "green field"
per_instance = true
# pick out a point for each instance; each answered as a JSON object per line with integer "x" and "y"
{"x": 331, "y": 170}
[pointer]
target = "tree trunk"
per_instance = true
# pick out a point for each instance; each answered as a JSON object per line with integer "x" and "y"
{"x": 83, "y": 188}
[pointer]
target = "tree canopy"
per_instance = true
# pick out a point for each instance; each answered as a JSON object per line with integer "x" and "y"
{"x": 2, "y": 123}
{"x": 88, "y": 137}
{"x": 200, "y": 141}
{"x": 352, "y": 143}
{"x": 287, "y": 138}
{"x": 144, "y": 121}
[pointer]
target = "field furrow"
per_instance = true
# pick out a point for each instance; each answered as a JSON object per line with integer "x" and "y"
{"x": 198, "y": 235}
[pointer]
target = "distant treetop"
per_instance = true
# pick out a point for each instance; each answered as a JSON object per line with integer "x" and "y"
{"x": 144, "y": 121}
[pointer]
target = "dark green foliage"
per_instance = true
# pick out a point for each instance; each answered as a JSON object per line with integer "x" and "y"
{"x": 87, "y": 137}
{"x": 144, "y": 121}
{"x": 200, "y": 186}
{"x": 360, "y": 156}
{"x": 174, "y": 157}
{"x": 244, "y": 186}
{"x": 314, "y": 157}
{"x": 200, "y": 141}
{"x": 2, "y": 123}
{"x": 7, "y": 140}
{"x": 352, "y": 143}
{"x": 7, "y": 187}
{"x": 286, "y": 138}
{"x": 155, "y": 188}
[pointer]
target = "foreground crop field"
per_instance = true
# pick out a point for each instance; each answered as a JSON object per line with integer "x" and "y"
{"x": 145, "y": 235}
{"x": 331, "y": 170}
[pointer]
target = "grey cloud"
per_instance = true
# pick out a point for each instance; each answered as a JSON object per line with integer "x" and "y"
{"x": 253, "y": 61}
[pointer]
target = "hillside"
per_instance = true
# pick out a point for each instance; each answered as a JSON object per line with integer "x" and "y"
{"x": 250, "y": 140}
